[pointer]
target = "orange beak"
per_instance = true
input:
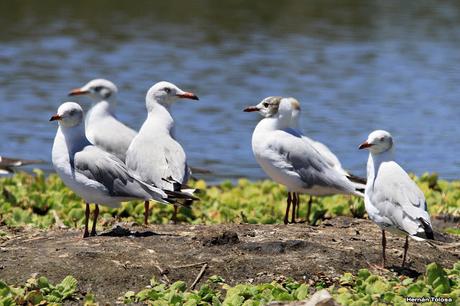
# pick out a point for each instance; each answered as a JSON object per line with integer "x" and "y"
{"x": 251, "y": 109}
{"x": 365, "y": 145}
{"x": 78, "y": 92}
{"x": 55, "y": 117}
{"x": 188, "y": 95}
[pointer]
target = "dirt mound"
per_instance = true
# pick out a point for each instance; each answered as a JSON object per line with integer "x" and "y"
{"x": 109, "y": 266}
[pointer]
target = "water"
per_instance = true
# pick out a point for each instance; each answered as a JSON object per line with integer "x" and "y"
{"x": 354, "y": 65}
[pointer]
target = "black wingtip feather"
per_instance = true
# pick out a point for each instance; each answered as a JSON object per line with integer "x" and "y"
{"x": 362, "y": 190}
{"x": 357, "y": 179}
{"x": 428, "y": 230}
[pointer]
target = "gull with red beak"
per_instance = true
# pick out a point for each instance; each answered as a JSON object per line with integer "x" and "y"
{"x": 392, "y": 199}
{"x": 154, "y": 155}
{"x": 331, "y": 159}
{"x": 93, "y": 174}
{"x": 103, "y": 129}
{"x": 292, "y": 159}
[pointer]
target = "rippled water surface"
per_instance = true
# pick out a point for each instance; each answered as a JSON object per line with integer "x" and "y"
{"x": 354, "y": 65}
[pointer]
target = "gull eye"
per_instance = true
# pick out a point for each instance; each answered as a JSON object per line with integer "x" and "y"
{"x": 382, "y": 138}
{"x": 72, "y": 112}
{"x": 98, "y": 88}
{"x": 265, "y": 104}
{"x": 167, "y": 90}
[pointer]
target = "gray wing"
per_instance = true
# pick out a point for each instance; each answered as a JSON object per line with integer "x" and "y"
{"x": 398, "y": 198}
{"x": 298, "y": 156}
{"x": 161, "y": 162}
{"x": 113, "y": 174}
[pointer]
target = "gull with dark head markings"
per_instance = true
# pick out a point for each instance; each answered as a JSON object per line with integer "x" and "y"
{"x": 103, "y": 129}
{"x": 154, "y": 155}
{"x": 291, "y": 159}
{"x": 329, "y": 156}
{"x": 392, "y": 199}
{"x": 93, "y": 174}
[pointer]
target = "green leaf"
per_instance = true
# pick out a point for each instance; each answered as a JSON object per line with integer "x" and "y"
{"x": 437, "y": 278}
{"x": 301, "y": 293}
{"x": 346, "y": 279}
{"x": 69, "y": 285}
{"x": 179, "y": 285}
{"x": 363, "y": 274}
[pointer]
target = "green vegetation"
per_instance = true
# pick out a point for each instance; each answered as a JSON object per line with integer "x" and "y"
{"x": 39, "y": 200}
{"x": 37, "y": 291}
{"x": 361, "y": 289}
{"x": 42, "y": 201}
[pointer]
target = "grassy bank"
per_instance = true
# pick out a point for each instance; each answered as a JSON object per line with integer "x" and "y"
{"x": 42, "y": 201}
{"x": 364, "y": 288}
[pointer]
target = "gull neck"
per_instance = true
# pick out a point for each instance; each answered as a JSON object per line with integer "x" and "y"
{"x": 75, "y": 137}
{"x": 159, "y": 116}
{"x": 374, "y": 162}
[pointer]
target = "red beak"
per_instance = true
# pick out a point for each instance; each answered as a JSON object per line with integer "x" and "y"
{"x": 365, "y": 145}
{"x": 251, "y": 109}
{"x": 188, "y": 95}
{"x": 78, "y": 92}
{"x": 55, "y": 117}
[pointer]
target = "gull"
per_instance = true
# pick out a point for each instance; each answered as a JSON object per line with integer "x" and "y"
{"x": 392, "y": 199}
{"x": 154, "y": 155}
{"x": 290, "y": 159}
{"x": 293, "y": 106}
{"x": 103, "y": 129}
{"x": 92, "y": 173}
{"x": 8, "y": 164}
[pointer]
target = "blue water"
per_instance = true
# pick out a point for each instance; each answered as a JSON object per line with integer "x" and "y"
{"x": 355, "y": 66}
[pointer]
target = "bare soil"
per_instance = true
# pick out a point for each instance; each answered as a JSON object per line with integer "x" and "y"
{"x": 130, "y": 255}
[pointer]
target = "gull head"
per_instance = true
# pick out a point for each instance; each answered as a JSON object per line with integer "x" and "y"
{"x": 268, "y": 107}
{"x": 289, "y": 110}
{"x": 166, "y": 93}
{"x": 377, "y": 142}
{"x": 69, "y": 114}
{"x": 98, "y": 89}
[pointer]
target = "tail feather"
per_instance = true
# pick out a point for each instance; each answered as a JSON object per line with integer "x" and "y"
{"x": 180, "y": 195}
{"x": 428, "y": 229}
{"x": 181, "y": 191}
{"x": 359, "y": 184}
{"x": 356, "y": 179}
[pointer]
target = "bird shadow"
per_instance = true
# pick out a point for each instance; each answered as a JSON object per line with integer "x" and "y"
{"x": 120, "y": 231}
{"x": 405, "y": 271}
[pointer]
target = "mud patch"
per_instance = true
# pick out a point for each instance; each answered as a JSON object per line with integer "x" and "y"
{"x": 109, "y": 266}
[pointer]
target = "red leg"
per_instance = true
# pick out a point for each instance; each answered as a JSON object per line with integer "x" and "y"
{"x": 294, "y": 207}
{"x": 298, "y": 205}
{"x": 286, "y": 215}
{"x": 87, "y": 212}
{"x": 174, "y": 216}
{"x": 384, "y": 245}
{"x": 406, "y": 247}
{"x": 146, "y": 212}
{"x": 309, "y": 209}
{"x": 96, "y": 214}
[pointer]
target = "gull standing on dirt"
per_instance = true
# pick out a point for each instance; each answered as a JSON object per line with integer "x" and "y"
{"x": 292, "y": 160}
{"x": 154, "y": 155}
{"x": 93, "y": 174}
{"x": 8, "y": 164}
{"x": 392, "y": 199}
{"x": 103, "y": 129}
{"x": 332, "y": 160}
